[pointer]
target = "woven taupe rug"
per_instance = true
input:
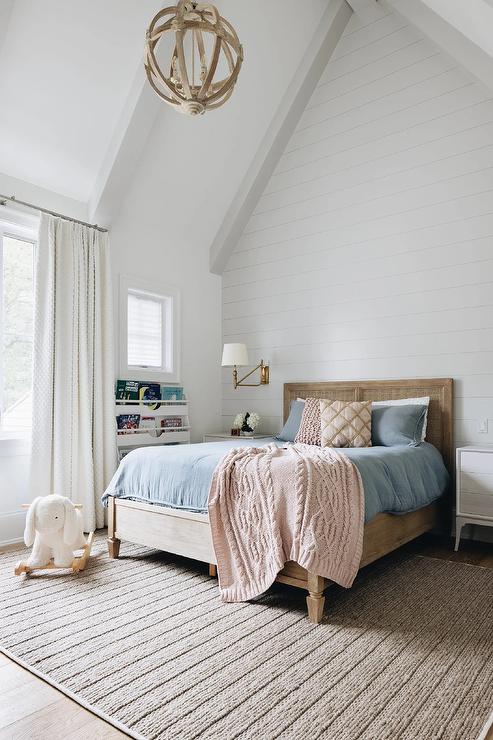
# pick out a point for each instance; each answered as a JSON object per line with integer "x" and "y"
{"x": 145, "y": 641}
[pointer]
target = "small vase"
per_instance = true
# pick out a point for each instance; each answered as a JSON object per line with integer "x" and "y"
{"x": 247, "y": 434}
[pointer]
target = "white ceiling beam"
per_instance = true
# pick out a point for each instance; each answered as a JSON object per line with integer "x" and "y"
{"x": 367, "y": 10}
{"x": 293, "y": 104}
{"x": 6, "y": 7}
{"x": 126, "y": 147}
{"x": 127, "y": 144}
{"x": 454, "y": 43}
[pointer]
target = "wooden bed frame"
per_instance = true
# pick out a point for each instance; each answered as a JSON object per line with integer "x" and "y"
{"x": 188, "y": 534}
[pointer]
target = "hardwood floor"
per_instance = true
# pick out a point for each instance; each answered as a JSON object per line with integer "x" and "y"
{"x": 489, "y": 735}
{"x": 31, "y": 709}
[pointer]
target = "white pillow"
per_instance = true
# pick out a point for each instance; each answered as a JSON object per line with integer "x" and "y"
{"x": 425, "y": 401}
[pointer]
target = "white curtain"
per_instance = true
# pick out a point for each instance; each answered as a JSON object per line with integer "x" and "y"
{"x": 73, "y": 437}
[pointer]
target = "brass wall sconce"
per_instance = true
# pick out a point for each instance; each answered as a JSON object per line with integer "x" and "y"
{"x": 235, "y": 355}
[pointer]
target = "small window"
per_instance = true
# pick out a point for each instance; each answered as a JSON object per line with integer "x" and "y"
{"x": 16, "y": 327}
{"x": 149, "y": 331}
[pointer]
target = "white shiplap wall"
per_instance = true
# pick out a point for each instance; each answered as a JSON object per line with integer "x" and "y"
{"x": 370, "y": 254}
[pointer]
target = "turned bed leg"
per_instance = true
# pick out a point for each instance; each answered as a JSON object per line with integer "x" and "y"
{"x": 315, "y": 600}
{"x": 113, "y": 542}
{"x": 212, "y": 570}
{"x": 113, "y": 547}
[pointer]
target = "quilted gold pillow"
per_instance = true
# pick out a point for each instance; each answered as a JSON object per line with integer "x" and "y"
{"x": 345, "y": 423}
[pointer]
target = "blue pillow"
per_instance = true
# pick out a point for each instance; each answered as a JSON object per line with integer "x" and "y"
{"x": 290, "y": 429}
{"x": 397, "y": 425}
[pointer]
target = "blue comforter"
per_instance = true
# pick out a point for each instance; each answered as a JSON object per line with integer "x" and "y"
{"x": 395, "y": 479}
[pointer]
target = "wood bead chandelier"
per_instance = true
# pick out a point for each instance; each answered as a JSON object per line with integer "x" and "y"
{"x": 206, "y": 57}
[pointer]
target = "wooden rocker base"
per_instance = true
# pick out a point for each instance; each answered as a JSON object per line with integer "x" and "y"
{"x": 78, "y": 563}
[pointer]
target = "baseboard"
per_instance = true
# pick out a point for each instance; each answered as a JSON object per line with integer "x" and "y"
{"x": 12, "y": 527}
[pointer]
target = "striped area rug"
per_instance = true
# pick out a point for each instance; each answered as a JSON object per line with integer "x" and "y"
{"x": 145, "y": 641}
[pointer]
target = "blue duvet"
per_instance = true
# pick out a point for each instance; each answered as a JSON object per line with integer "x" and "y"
{"x": 395, "y": 479}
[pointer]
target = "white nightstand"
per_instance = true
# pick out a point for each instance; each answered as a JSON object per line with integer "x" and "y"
{"x": 214, "y": 437}
{"x": 474, "y": 502}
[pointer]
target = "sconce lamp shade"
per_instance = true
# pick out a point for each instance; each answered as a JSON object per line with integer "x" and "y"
{"x": 234, "y": 354}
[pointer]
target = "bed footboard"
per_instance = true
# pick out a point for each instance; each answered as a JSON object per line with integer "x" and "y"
{"x": 188, "y": 534}
{"x": 172, "y": 530}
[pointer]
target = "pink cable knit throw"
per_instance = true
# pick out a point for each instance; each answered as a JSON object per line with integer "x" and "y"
{"x": 270, "y": 505}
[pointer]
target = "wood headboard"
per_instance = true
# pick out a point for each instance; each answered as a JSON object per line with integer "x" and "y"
{"x": 439, "y": 427}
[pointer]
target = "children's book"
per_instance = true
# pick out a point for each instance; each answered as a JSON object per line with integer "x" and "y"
{"x": 150, "y": 423}
{"x": 171, "y": 422}
{"x": 150, "y": 392}
{"x": 172, "y": 393}
{"x": 127, "y": 390}
{"x": 128, "y": 422}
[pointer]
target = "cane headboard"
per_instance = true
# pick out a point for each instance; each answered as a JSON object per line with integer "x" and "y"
{"x": 439, "y": 427}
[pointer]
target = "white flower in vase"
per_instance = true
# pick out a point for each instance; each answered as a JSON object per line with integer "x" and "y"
{"x": 239, "y": 419}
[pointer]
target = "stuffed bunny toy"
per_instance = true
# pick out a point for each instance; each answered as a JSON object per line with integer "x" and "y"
{"x": 54, "y": 525}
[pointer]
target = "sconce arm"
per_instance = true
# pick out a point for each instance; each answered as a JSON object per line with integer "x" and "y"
{"x": 264, "y": 376}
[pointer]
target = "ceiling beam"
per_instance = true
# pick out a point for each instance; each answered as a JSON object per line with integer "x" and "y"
{"x": 368, "y": 10}
{"x": 454, "y": 43}
{"x": 127, "y": 144}
{"x": 6, "y": 7}
{"x": 279, "y": 132}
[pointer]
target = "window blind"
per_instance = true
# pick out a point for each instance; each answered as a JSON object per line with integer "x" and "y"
{"x": 145, "y": 331}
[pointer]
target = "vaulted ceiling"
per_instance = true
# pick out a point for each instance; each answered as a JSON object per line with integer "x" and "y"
{"x": 76, "y": 112}
{"x": 66, "y": 69}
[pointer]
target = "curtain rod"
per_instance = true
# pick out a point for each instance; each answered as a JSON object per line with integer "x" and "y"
{"x": 13, "y": 199}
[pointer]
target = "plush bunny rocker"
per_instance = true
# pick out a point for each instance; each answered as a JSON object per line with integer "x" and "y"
{"x": 54, "y": 525}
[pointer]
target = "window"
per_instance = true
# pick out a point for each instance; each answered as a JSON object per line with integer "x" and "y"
{"x": 149, "y": 318}
{"x": 17, "y": 244}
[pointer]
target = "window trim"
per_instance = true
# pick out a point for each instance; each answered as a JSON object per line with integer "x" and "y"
{"x": 162, "y": 291}
{"x": 23, "y": 227}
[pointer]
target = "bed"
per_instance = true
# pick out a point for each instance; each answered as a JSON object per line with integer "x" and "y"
{"x": 185, "y": 531}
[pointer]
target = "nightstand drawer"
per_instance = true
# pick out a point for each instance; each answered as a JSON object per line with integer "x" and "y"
{"x": 476, "y": 483}
{"x": 476, "y": 503}
{"x": 476, "y": 462}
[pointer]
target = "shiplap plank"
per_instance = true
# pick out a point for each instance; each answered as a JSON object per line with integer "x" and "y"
{"x": 451, "y": 322}
{"x": 375, "y": 260}
{"x": 413, "y": 304}
{"x": 421, "y": 81}
{"x": 444, "y": 94}
{"x": 343, "y": 154}
{"x": 345, "y": 227}
{"x": 439, "y": 172}
{"x": 370, "y": 253}
{"x": 403, "y": 58}
{"x": 334, "y": 292}
{"x": 371, "y": 33}
{"x": 368, "y": 53}
{"x": 459, "y": 228}
{"x": 411, "y": 160}
{"x": 322, "y": 272}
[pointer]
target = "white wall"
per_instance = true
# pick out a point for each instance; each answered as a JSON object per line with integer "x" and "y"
{"x": 30, "y": 193}
{"x": 370, "y": 253}
{"x": 14, "y": 488}
{"x": 158, "y": 236}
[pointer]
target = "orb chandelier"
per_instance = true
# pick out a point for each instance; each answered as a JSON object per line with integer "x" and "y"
{"x": 204, "y": 60}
